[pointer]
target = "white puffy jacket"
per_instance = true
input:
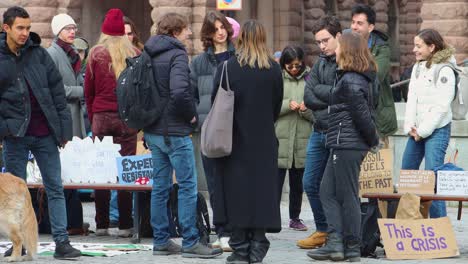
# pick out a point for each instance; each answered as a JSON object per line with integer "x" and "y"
{"x": 428, "y": 107}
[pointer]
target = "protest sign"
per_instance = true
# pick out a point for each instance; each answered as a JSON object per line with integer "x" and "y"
{"x": 418, "y": 239}
{"x": 229, "y": 4}
{"x": 452, "y": 182}
{"x": 377, "y": 173}
{"x": 416, "y": 181}
{"x": 85, "y": 161}
{"x": 135, "y": 169}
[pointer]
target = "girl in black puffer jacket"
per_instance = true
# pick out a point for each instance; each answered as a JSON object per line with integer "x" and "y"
{"x": 351, "y": 134}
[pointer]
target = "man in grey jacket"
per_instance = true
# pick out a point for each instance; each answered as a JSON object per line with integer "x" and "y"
{"x": 67, "y": 60}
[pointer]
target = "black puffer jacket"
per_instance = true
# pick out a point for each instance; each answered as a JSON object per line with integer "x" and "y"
{"x": 170, "y": 64}
{"x": 202, "y": 72}
{"x": 34, "y": 66}
{"x": 317, "y": 90}
{"x": 350, "y": 123}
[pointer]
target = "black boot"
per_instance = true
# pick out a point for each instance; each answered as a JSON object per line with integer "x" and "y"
{"x": 10, "y": 251}
{"x": 63, "y": 250}
{"x": 333, "y": 249}
{"x": 236, "y": 259}
{"x": 352, "y": 250}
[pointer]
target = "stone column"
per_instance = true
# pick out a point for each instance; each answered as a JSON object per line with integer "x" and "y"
{"x": 200, "y": 8}
{"x": 450, "y": 18}
{"x": 41, "y": 13}
{"x": 288, "y": 23}
{"x": 410, "y": 23}
{"x": 183, "y": 7}
{"x": 313, "y": 11}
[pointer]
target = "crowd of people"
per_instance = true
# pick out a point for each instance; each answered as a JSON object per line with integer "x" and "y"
{"x": 315, "y": 123}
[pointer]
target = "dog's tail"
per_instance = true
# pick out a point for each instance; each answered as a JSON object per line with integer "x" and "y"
{"x": 30, "y": 231}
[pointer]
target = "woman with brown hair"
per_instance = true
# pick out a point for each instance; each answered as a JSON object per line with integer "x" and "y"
{"x": 351, "y": 134}
{"x": 106, "y": 62}
{"x": 216, "y": 33}
{"x": 132, "y": 33}
{"x": 246, "y": 188}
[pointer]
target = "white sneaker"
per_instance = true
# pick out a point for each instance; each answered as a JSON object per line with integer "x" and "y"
{"x": 216, "y": 244}
{"x": 126, "y": 232}
{"x": 224, "y": 244}
{"x": 102, "y": 232}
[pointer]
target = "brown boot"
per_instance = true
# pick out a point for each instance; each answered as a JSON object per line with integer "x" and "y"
{"x": 317, "y": 239}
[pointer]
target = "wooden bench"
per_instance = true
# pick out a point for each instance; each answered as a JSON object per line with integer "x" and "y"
{"x": 424, "y": 197}
{"x": 119, "y": 187}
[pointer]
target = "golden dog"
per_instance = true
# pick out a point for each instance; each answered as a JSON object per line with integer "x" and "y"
{"x": 17, "y": 217}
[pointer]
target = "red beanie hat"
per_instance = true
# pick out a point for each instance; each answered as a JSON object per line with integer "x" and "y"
{"x": 113, "y": 23}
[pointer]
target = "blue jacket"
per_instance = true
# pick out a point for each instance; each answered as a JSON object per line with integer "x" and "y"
{"x": 33, "y": 67}
{"x": 171, "y": 72}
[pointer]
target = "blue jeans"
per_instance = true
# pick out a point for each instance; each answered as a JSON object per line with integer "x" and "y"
{"x": 114, "y": 207}
{"x": 180, "y": 157}
{"x": 44, "y": 149}
{"x": 433, "y": 150}
{"x": 316, "y": 162}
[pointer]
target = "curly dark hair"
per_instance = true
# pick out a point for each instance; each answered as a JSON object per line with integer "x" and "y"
{"x": 208, "y": 28}
{"x": 329, "y": 23}
{"x": 171, "y": 24}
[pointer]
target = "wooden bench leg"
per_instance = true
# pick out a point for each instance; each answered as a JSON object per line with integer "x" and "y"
{"x": 460, "y": 206}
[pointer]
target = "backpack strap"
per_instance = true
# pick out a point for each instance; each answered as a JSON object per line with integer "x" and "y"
{"x": 321, "y": 69}
{"x": 438, "y": 68}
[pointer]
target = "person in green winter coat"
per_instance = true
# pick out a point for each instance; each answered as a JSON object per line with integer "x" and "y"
{"x": 293, "y": 129}
{"x": 363, "y": 22}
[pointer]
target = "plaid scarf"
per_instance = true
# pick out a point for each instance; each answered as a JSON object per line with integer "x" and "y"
{"x": 72, "y": 54}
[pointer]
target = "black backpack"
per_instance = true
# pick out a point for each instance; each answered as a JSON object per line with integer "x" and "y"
{"x": 138, "y": 97}
{"x": 203, "y": 217}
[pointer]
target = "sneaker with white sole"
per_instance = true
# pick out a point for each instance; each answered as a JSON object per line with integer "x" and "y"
{"x": 126, "y": 232}
{"x": 224, "y": 244}
{"x": 102, "y": 232}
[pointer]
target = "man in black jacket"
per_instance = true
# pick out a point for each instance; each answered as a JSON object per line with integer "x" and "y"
{"x": 316, "y": 97}
{"x": 34, "y": 116}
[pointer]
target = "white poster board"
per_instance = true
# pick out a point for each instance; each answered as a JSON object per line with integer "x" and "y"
{"x": 452, "y": 182}
{"x": 85, "y": 161}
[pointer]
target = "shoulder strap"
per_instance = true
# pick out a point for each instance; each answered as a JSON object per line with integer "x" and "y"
{"x": 437, "y": 70}
{"x": 321, "y": 65}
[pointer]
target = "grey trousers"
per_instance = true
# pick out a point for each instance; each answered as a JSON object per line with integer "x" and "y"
{"x": 339, "y": 193}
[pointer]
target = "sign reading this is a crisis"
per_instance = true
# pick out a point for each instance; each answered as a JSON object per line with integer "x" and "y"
{"x": 229, "y": 4}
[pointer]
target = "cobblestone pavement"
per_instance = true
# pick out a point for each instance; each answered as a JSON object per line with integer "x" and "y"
{"x": 283, "y": 248}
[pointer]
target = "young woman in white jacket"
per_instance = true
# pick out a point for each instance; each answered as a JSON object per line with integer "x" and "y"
{"x": 428, "y": 113}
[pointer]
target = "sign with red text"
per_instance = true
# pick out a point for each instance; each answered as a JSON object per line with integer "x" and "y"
{"x": 377, "y": 173}
{"x": 416, "y": 181}
{"x": 229, "y": 4}
{"x": 418, "y": 239}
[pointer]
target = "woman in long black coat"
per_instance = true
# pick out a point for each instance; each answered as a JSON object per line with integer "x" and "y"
{"x": 246, "y": 183}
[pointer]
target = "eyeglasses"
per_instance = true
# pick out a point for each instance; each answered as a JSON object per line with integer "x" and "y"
{"x": 323, "y": 41}
{"x": 290, "y": 67}
{"x": 70, "y": 28}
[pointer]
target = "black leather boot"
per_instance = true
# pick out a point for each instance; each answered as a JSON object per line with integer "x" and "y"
{"x": 352, "y": 250}
{"x": 333, "y": 249}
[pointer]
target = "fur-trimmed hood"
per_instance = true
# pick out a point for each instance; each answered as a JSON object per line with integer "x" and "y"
{"x": 444, "y": 56}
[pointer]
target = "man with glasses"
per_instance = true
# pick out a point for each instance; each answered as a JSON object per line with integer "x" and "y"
{"x": 34, "y": 116}
{"x": 68, "y": 62}
{"x": 316, "y": 98}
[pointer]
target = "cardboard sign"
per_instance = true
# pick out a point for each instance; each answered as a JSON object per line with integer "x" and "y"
{"x": 452, "y": 182}
{"x": 135, "y": 169}
{"x": 416, "y": 181}
{"x": 85, "y": 161}
{"x": 418, "y": 239}
{"x": 377, "y": 173}
{"x": 229, "y": 4}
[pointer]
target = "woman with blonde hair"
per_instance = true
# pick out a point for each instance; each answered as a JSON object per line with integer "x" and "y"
{"x": 351, "y": 134}
{"x": 106, "y": 62}
{"x": 247, "y": 189}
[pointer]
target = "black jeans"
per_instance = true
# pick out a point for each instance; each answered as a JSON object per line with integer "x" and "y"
{"x": 249, "y": 243}
{"x": 222, "y": 230}
{"x": 339, "y": 192}
{"x": 295, "y": 190}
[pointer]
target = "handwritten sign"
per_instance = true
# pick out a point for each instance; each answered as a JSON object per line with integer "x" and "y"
{"x": 452, "y": 182}
{"x": 229, "y": 4}
{"x": 418, "y": 239}
{"x": 416, "y": 181}
{"x": 85, "y": 161}
{"x": 377, "y": 173}
{"x": 135, "y": 169}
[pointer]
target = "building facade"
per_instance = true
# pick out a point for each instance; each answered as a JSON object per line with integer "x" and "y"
{"x": 286, "y": 21}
